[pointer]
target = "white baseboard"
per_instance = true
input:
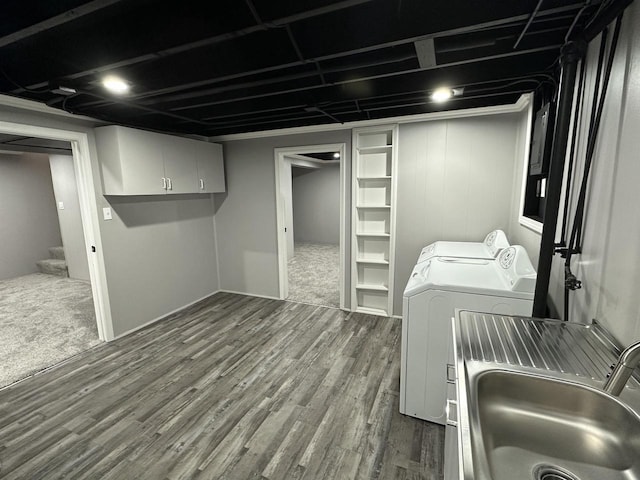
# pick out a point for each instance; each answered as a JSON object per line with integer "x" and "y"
{"x": 248, "y": 294}
{"x": 150, "y": 322}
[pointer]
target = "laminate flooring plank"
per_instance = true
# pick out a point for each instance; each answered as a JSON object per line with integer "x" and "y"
{"x": 233, "y": 387}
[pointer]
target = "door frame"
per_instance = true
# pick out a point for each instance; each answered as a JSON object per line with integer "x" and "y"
{"x": 88, "y": 212}
{"x": 279, "y": 158}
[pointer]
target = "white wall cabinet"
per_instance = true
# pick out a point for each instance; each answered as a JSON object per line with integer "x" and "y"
{"x": 210, "y": 167}
{"x": 374, "y": 180}
{"x": 136, "y": 162}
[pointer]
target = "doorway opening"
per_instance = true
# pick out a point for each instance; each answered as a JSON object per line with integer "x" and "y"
{"x": 53, "y": 301}
{"x": 310, "y": 186}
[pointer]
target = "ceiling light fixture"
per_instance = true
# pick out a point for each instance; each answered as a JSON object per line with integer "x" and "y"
{"x": 336, "y": 155}
{"x": 441, "y": 95}
{"x": 115, "y": 85}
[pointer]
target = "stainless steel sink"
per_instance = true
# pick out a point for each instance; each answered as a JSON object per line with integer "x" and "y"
{"x": 526, "y": 426}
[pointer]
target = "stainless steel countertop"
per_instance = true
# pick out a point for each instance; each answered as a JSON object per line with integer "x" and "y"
{"x": 561, "y": 350}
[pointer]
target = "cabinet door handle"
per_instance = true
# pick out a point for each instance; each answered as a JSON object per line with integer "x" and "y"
{"x": 169, "y": 185}
{"x": 164, "y": 183}
{"x": 201, "y": 184}
{"x": 451, "y": 373}
{"x": 452, "y": 412}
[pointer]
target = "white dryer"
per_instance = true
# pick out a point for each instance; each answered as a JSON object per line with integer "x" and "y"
{"x": 493, "y": 243}
{"x": 435, "y": 289}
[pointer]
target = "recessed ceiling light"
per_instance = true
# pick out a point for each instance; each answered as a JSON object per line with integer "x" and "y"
{"x": 115, "y": 85}
{"x": 441, "y": 95}
{"x": 336, "y": 155}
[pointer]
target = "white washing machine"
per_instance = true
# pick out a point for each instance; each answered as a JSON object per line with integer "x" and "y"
{"x": 493, "y": 243}
{"x": 435, "y": 289}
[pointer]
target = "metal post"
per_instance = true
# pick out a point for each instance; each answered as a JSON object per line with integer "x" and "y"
{"x": 570, "y": 55}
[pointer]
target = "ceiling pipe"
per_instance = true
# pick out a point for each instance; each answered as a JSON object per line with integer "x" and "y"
{"x": 600, "y": 22}
{"x": 526, "y": 27}
{"x": 570, "y": 55}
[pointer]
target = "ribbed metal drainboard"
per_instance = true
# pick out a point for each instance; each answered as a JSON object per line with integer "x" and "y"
{"x": 546, "y": 345}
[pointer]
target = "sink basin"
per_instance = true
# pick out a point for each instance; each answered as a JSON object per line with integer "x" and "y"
{"x": 534, "y": 427}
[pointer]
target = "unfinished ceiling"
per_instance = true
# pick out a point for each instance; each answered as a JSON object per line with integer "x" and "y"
{"x": 231, "y": 66}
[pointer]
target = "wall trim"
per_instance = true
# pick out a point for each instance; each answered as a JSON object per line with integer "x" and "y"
{"x": 269, "y": 297}
{"x": 33, "y": 106}
{"x": 165, "y": 315}
{"x": 88, "y": 211}
{"x": 520, "y": 105}
{"x": 527, "y": 222}
{"x": 279, "y": 155}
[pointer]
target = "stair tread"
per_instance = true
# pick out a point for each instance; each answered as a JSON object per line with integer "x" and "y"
{"x": 52, "y": 262}
{"x": 53, "y": 266}
{"x": 56, "y": 253}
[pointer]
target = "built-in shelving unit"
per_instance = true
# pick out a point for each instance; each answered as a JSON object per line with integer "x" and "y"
{"x": 373, "y": 218}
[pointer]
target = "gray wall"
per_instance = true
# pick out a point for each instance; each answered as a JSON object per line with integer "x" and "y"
{"x": 65, "y": 190}
{"x": 455, "y": 182}
{"x": 167, "y": 260}
{"x": 28, "y": 220}
{"x": 608, "y": 266}
{"x": 147, "y": 275}
{"x": 316, "y": 205}
{"x": 246, "y": 214}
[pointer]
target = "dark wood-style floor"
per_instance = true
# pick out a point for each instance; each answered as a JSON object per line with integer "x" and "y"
{"x": 234, "y": 387}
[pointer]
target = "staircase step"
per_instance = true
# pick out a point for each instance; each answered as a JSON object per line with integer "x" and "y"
{"x": 57, "y": 253}
{"x": 53, "y": 266}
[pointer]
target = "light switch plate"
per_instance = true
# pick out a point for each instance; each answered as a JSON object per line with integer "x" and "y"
{"x": 106, "y": 213}
{"x": 60, "y": 205}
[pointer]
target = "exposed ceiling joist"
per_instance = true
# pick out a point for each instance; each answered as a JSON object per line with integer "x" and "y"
{"x": 68, "y": 16}
{"x": 231, "y": 67}
{"x": 209, "y": 41}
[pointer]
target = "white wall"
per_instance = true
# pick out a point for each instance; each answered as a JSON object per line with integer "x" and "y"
{"x": 28, "y": 220}
{"x": 316, "y": 205}
{"x": 455, "y": 182}
{"x": 168, "y": 257}
{"x": 65, "y": 190}
{"x": 608, "y": 266}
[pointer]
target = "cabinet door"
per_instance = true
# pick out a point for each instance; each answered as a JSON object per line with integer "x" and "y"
{"x": 180, "y": 165}
{"x": 141, "y": 161}
{"x": 210, "y": 168}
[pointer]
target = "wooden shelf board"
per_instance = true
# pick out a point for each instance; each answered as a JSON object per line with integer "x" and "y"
{"x": 373, "y": 262}
{"x": 375, "y": 149}
{"x": 372, "y": 311}
{"x": 381, "y": 235}
{"x": 377, "y": 288}
{"x": 385, "y": 177}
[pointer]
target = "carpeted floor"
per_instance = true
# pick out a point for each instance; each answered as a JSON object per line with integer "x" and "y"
{"x": 314, "y": 274}
{"x": 44, "y": 319}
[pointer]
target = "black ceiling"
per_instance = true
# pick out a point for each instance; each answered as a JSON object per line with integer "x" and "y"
{"x": 230, "y": 66}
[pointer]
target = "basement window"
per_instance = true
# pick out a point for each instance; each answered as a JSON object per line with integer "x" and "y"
{"x": 535, "y": 182}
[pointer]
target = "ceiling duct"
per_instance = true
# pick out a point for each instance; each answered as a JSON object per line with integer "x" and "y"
{"x": 426, "y": 52}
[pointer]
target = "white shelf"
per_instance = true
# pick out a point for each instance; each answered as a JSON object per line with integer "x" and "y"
{"x": 385, "y": 177}
{"x": 382, "y": 235}
{"x": 373, "y": 218}
{"x": 372, "y": 311}
{"x": 373, "y": 261}
{"x": 377, "y": 288}
{"x": 375, "y": 149}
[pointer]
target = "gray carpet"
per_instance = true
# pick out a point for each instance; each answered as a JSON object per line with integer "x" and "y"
{"x": 44, "y": 319}
{"x": 314, "y": 274}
